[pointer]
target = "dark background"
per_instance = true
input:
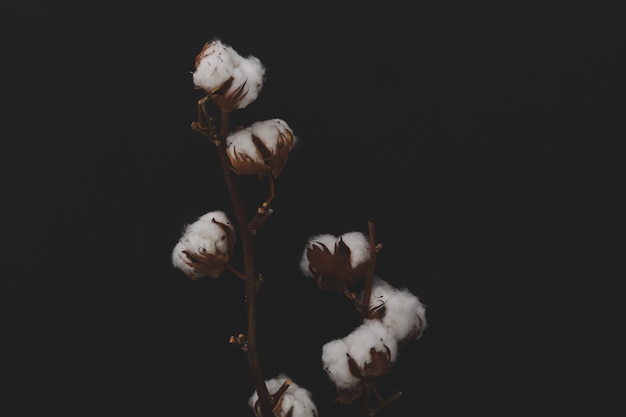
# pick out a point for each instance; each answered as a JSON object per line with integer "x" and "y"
{"x": 482, "y": 141}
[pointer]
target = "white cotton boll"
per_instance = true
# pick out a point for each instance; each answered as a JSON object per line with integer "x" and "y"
{"x": 214, "y": 67}
{"x": 219, "y": 65}
{"x": 250, "y": 71}
{"x": 201, "y": 238}
{"x": 359, "y": 247}
{"x": 325, "y": 239}
{"x": 335, "y": 363}
{"x": 357, "y": 345}
{"x": 240, "y": 142}
{"x": 371, "y": 334}
{"x": 405, "y": 314}
{"x": 295, "y": 401}
{"x": 204, "y": 235}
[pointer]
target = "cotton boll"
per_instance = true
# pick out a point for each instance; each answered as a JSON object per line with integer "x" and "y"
{"x": 335, "y": 263}
{"x": 205, "y": 247}
{"x": 358, "y": 345}
{"x": 371, "y": 334}
{"x": 335, "y": 363}
{"x": 327, "y": 240}
{"x": 294, "y": 402}
{"x": 261, "y": 148}
{"x": 231, "y": 81}
{"x": 404, "y": 315}
{"x": 204, "y": 235}
{"x": 359, "y": 247}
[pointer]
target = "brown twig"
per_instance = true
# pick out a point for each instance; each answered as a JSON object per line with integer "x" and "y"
{"x": 367, "y": 292}
{"x": 246, "y": 238}
{"x": 384, "y": 403}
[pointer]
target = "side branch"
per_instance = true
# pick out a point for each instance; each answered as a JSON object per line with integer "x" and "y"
{"x": 367, "y": 292}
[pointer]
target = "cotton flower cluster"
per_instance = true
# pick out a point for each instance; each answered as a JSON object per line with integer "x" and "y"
{"x": 206, "y": 246}
{"x": 336, "y": 262}
{"x": 394, "y": 316}
{"x": 232, "y": 81}
{"x": 261, "y": 148}
{"x": 294, "y": 402}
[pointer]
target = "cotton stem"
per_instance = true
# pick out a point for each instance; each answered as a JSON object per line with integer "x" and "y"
{"x": 250, "y": 278}
{"x": 369, "y": 280}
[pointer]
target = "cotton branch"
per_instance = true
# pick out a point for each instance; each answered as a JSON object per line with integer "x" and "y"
{"x": 353, "y": 363}
{"x": 370, "y": 272}
{"x": 248, "y": 341}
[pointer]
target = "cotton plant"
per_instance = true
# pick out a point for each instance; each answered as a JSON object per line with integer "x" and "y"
{"x": 208, "y": 246}
{"x": 392, "y": 317}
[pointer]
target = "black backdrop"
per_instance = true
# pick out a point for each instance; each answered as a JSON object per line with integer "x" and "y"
{"x": 480, "y": 139}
